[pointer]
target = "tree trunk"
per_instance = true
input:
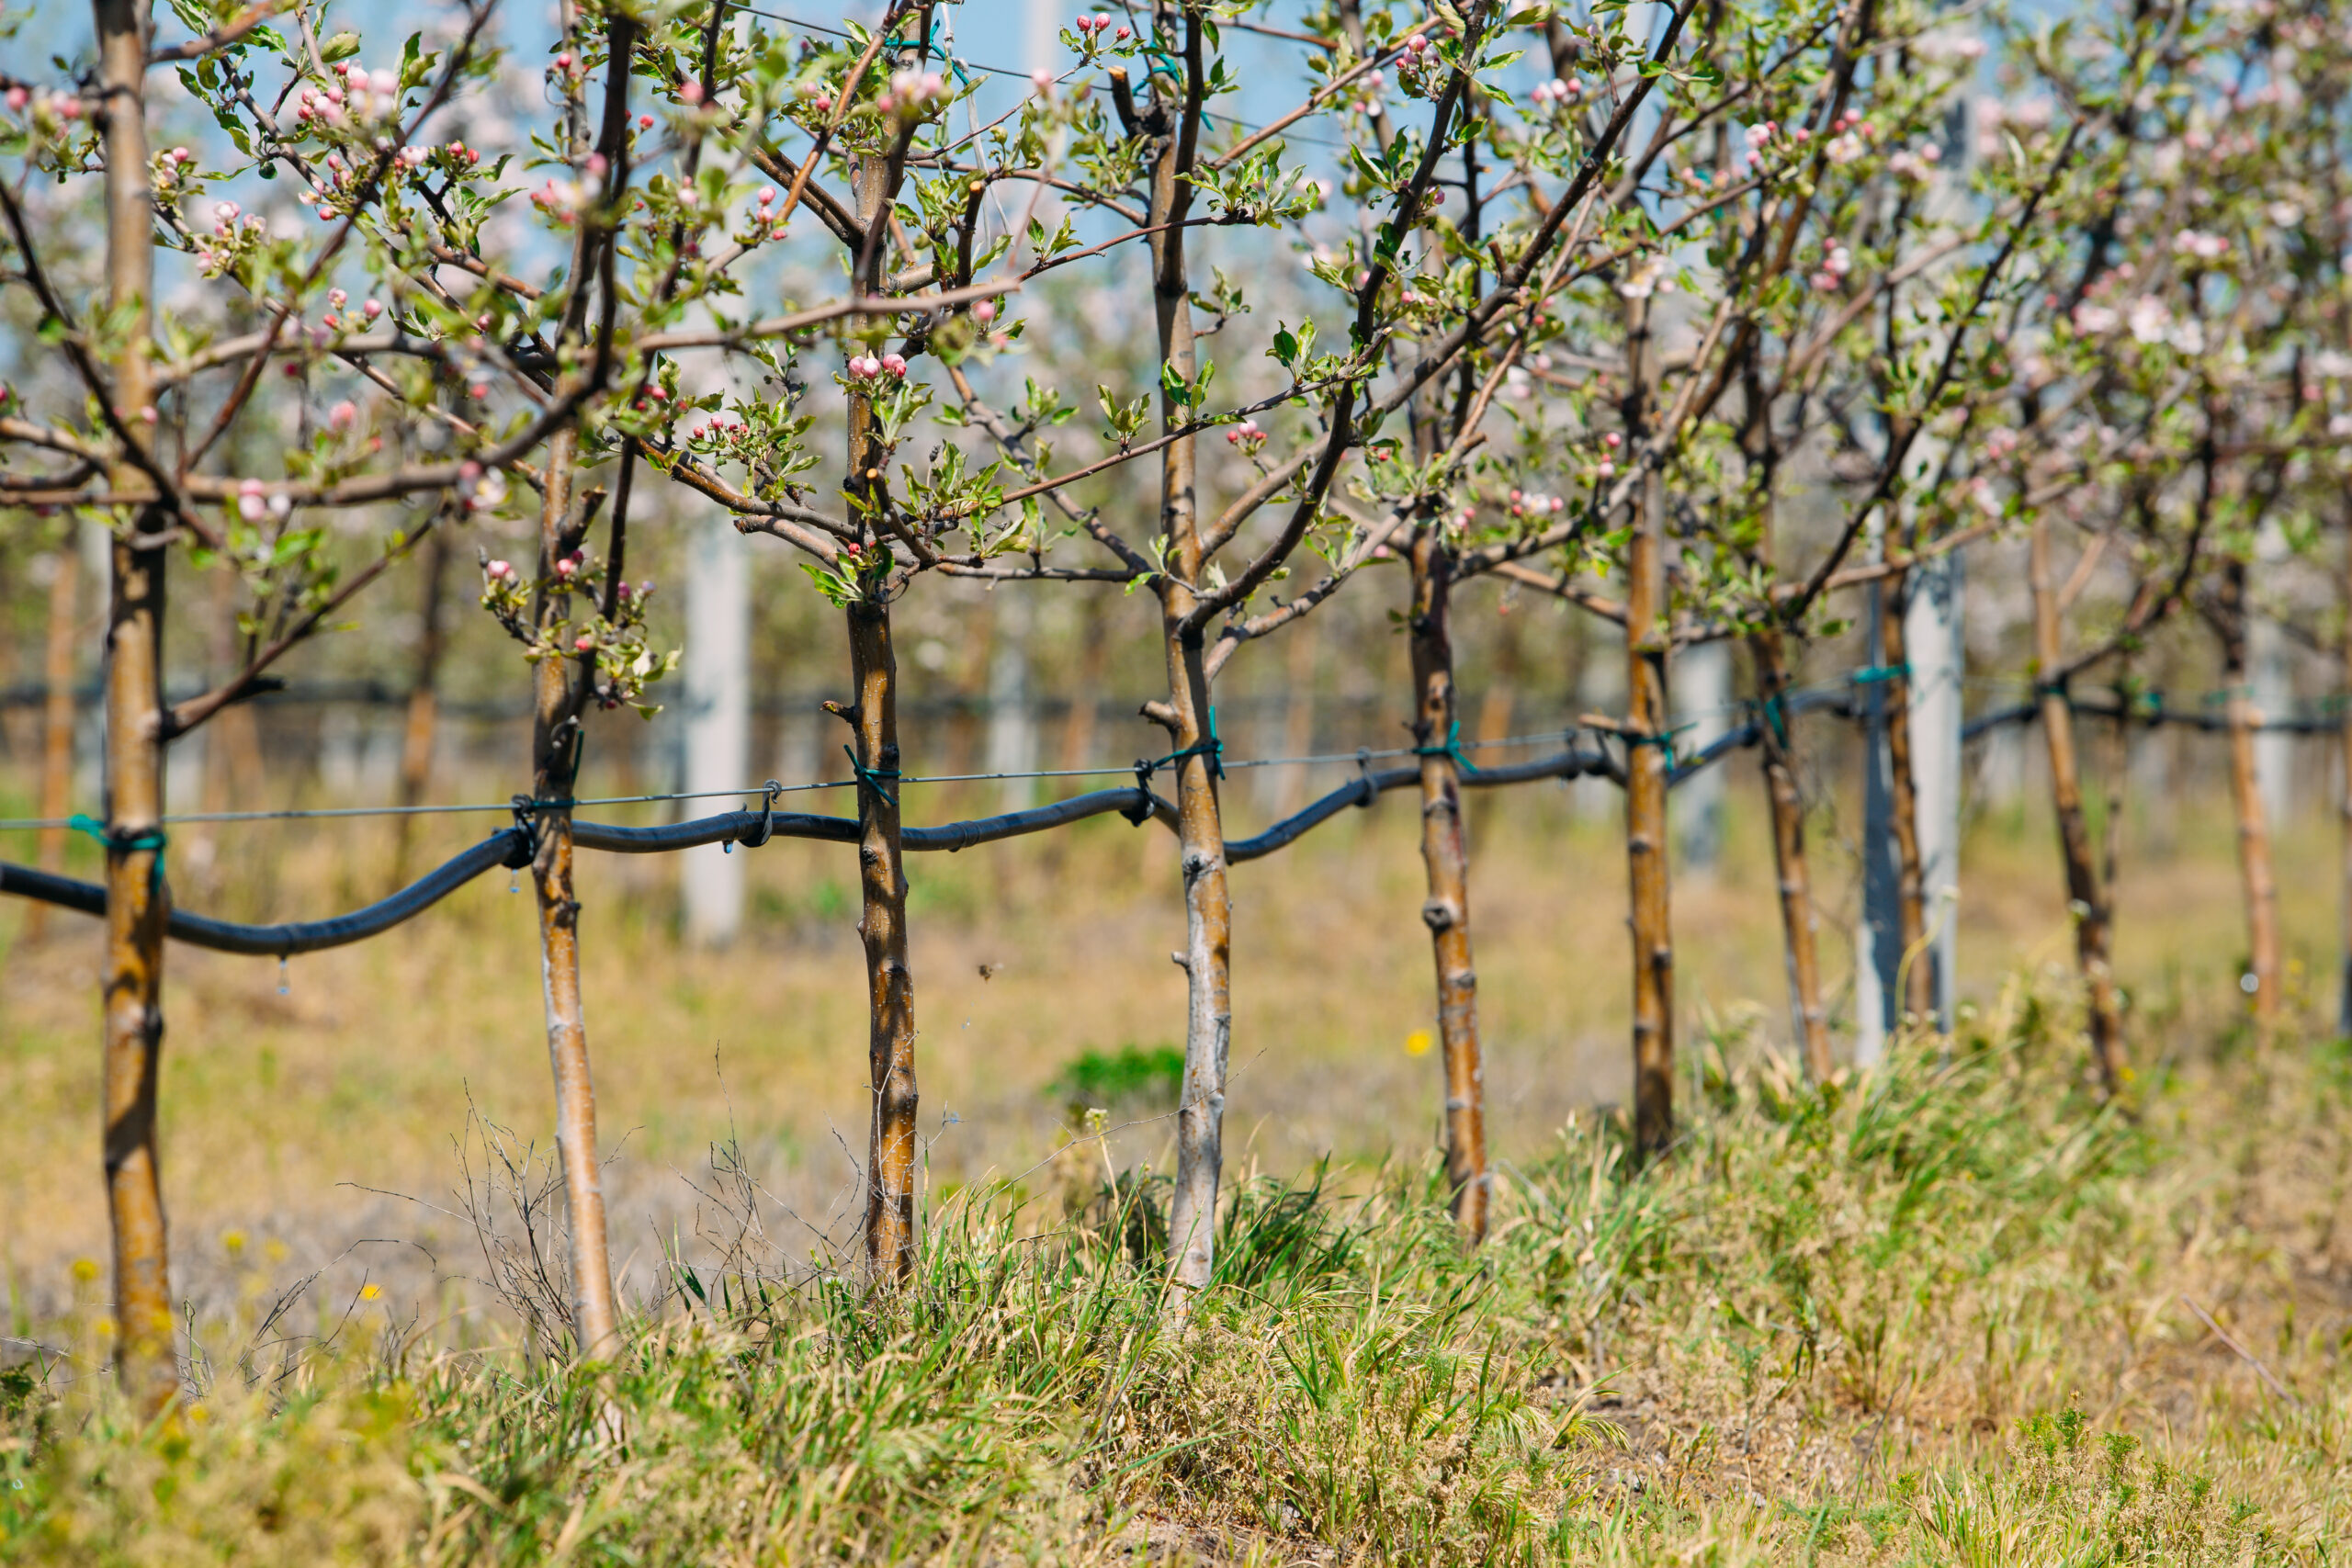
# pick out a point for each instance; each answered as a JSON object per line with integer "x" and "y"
{"x": 1917, "y": 976}
{"x": 57, "y": 723}
{"x": 1445, "y": 856}
{"x": 1647, "y": 757}
{"x": 882, "y": 923}
{"x": 560, "y": 693}
{"x": 1208, "y": 906}
{"x": 2265, "y": 970}
{"x": 890, "y": 982}
{"x": 137, "y": 901}
{"x": 2085, "y": 901}
{"x": 1787, "y": 806}
{"x": 423, "y": 698}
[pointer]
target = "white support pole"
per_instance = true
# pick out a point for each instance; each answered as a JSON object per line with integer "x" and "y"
{"x": 1932, "y": 634}
{"x": 1702, "y": 690}
{"x": 1012, "y": 709}
{"x": 2274, "y": 689}
{"x": 717, "y": 703}
{"x": 1878, "y": 936}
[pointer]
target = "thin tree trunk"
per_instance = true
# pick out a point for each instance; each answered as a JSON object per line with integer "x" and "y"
{"x": 1208, "y": 906}
{"x": 891, "y": 1048}
{"x": 882, "y": 924}
{"x": 560, "y": 693}
{"x": 1446, "y": 857}
{"x": 561, "y": 688}
{"x": 57, "y": 723}
{"x": 1647, "y": 766}
{"x": 423, "y": 698}
{"x": 137, "y": 901}
{"x": 2087, "y": 906}
{"x": 1918, "y": 973}
{"x": 1789, "y": 862}
{"x": 2260, "y": 882}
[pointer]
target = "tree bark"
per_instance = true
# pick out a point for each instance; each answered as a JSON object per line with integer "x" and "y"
{"x": 1446, "y": 858}
{"x": 882, "y": 923}
{"x": 1786, "y": 804}
{"x": 2260, "y": 882}
{"x": 2084, "y": 900}
{"x": 1648, "y": 757}
{"x": 423, "y": 698}
{"x": 57, "y": 723}
{"x": 890, "y": 1047}
{"x": 1918, "y": 998}
{"x": 1208, "y": 906}
{"x": 559, "y": 694}
{"x": 137, "y": 901}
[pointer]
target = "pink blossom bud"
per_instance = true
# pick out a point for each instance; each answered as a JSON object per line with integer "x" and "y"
{"x": 567, "y": 565}
{"x": 252, "y": 508}
{"x": 894, "y": 363}
{"x": 585, "y": 641}
{"x": 69, "y": 108}
{"x": 563, "y": 60}
{"x": 500, "y": 570}
{"x": 1043, "y": 80}
{"x": 344, "y": 415}
{"x": 337, "y": 298}
{"x": 984, "y": 312}
{"x": 691, "y": 92}
{"x": 645, "y": 122}
{"x": 17, "y": 98}
{"x": 1122, "y": 35}
{"x": 766, "y": 195}
{"x": 371, "y": 310}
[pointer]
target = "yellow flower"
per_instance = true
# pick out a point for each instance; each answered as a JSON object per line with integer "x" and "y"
{"x": 234, "y": 1241}
{"x": 369, "y": 1293}
{"x": 86, "y": 1269}
{"x": 1418, "y": 1044}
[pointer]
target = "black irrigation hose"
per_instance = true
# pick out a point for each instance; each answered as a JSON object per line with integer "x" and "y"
{"x": 511, "y": 846}
{"x": 2026, "y": 713}
{"x": 1368, "y": 785}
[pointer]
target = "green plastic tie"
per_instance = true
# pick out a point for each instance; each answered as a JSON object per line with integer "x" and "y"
{"x": 155, "y": 838}
{"x": 1453, "y": 747}
{"x": 871, "y": 777}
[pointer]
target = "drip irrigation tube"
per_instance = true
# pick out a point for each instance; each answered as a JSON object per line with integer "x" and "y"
{"x": 511, "y": 846}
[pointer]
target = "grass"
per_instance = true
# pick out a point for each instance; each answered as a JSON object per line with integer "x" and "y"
{"x": 1934, "y": 1314}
